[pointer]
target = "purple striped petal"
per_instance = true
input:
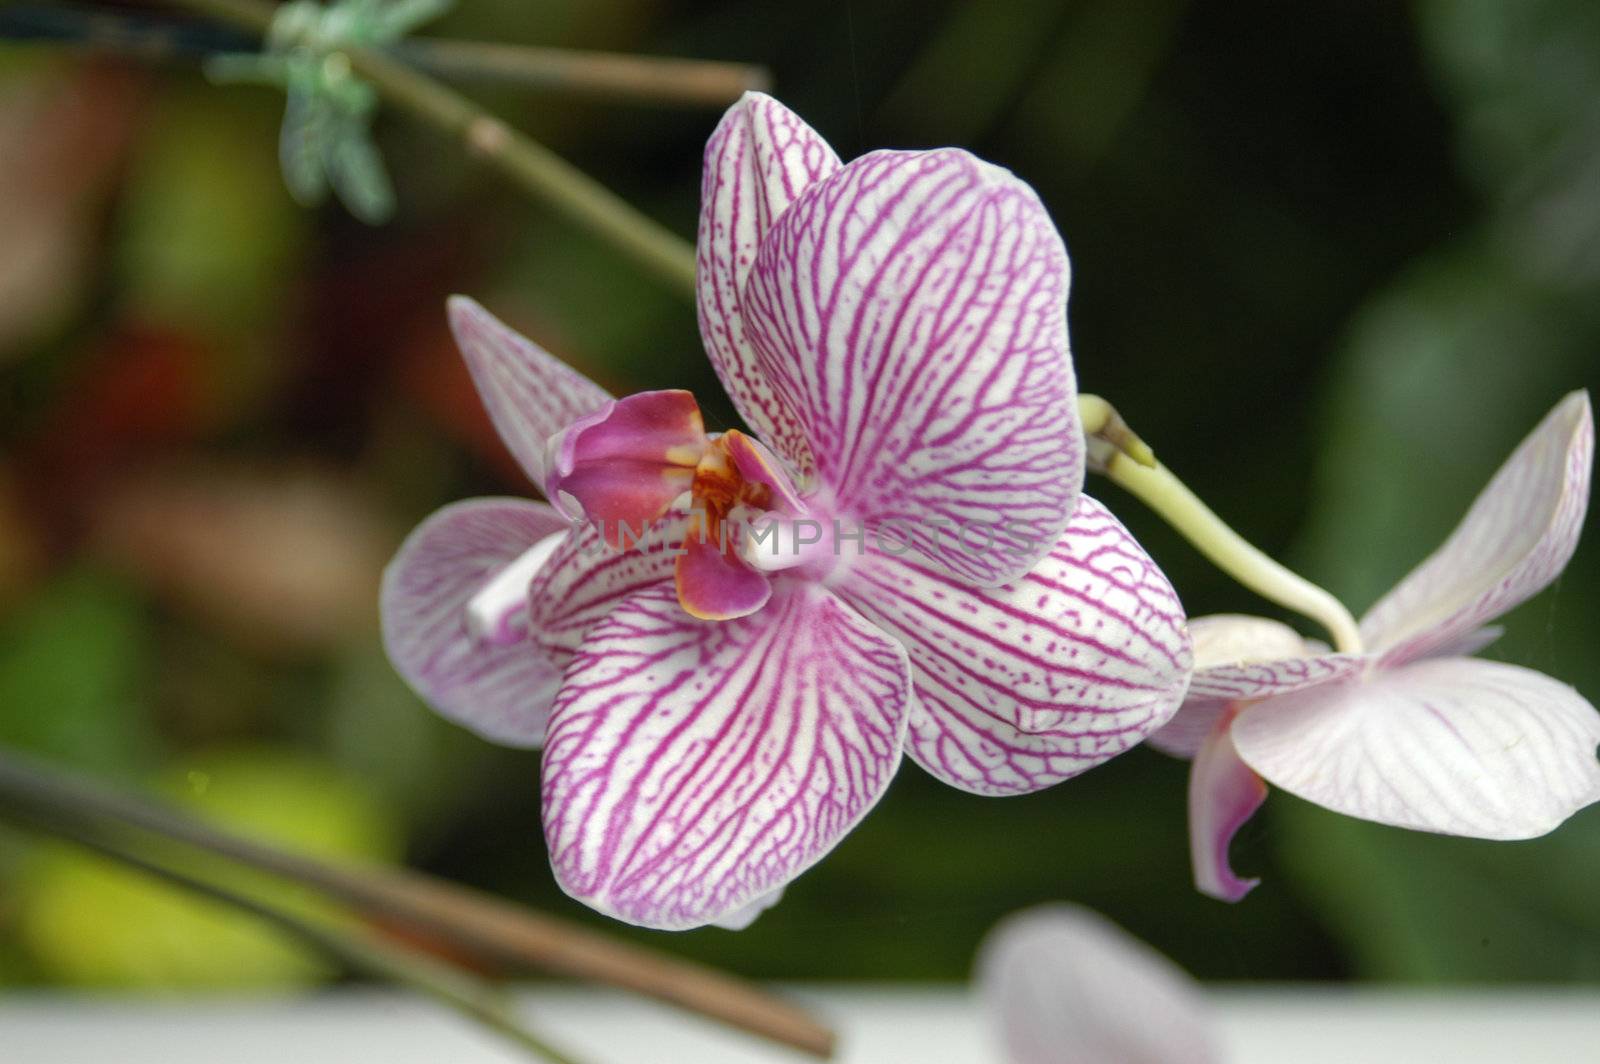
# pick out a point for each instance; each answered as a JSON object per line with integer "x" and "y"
{"x": 1223, "y": 795}
{"x": 584, "y": 580}
{"x": 759, "y": 159}
{"x": 1067, "y": 986}
{"x": 1454, "y": 745}
{"x": 502, "y": 692}
{"x": 693, "y": 767}
{"x": 1517, "y": 538}
{"x": 1021, "y": 687}
{"x": 911, "y": 310}
{"x": 530, "y": 394}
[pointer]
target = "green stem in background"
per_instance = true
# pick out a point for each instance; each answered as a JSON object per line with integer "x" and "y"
{"x": 537, "y": 169}
{"x": 488, "y": 928}
{"x": 357, "y": 951}
{"x": 1126, "y": 460}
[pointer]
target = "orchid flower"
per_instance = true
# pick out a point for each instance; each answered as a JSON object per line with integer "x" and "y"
{"x": 1064, "y": 985}
{"x": 1412, "y": 732}
{"x": 893, "y": 332}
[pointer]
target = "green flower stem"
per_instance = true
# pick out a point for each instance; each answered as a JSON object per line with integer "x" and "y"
{"x": 492, "y": 930}
{"x": 534, "y": 167}
{"x": 1125, "y": 460}
{"x": 357, "y": 951}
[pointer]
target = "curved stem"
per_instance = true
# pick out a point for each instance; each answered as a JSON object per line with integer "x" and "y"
{"x": 530, "y": 164}
{"x": 1123, "y": 458}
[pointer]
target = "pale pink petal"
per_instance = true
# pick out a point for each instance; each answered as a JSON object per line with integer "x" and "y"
{"x": 1516, "y": 539}
{"x": 760, "y": 157}
{"x": 585, "y": 579}
{"x": 1239, "y": 639}
{"x": 1024, "y": 686}
{"x": 911, "y": 311}
{"x": 740, "y": 919}
{"x": 1457, "y": 745}
{"x": 624, "y": 464}
{"x": 1064, "y": 985}
{"x": 1183, "y": 735}
{"x": 1223, "y": 795}
{"x": 693, "y": 767}
{"x": 1262, "y": 679}
{"x": 529, "y": 393}
{"x": 502, "y": 692}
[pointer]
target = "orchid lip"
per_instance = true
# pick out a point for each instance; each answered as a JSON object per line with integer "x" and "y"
{"x": 497, "y": 614}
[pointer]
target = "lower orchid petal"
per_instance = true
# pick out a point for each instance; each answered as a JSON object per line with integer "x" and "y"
{"x": 693, "y": 767}
{"x": 1067, "y": 986}
{"x": 626, "y": 463}
{"x": 1456, "y": 746}
{"x": 502, "y": 691}
{"x": 1023, "y": 686}
{"x": 1223, "y": 795}
{"x": 714, "y": 585}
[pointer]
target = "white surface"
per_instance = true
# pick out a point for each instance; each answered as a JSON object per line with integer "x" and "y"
{"x": 877, "y": 1026}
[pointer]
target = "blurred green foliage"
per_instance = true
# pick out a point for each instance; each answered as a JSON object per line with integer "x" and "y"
{"x": 1332, "y": 260}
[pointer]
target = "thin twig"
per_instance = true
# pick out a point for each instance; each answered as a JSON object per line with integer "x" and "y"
{"x": 358, "y": 951}
{"x": 480, "y": 924}
{"x": 533, "y": 166}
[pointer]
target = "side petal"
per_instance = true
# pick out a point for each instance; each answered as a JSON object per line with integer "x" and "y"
{"x": 1455, "y": 745}
{"x": 760, "y": 157}
{"x": 693, "y": 767}
{"x": 502, "y": 692}
{"x": 1223, "y": 795}
{"x": 1263, "y": 679}
{"x": 585, "y": 579}
{"x": 1064, "y": 985}
{"x": 1021, "y": 687}
{"x": 529, "y": 393}
{"x": 911, "y": 311}
{"x": 1517, "y": 538}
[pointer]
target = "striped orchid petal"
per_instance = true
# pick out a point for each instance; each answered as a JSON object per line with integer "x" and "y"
{"x": 502, "y": 691}
{"x": 1021, "y": 687}
{"x": 911, "y": 311}
{"x": 1517, "y": 538}
{"x": 1066, "y": 986}
{"x": 585, "y": 579}
{"x": 694, "y": 767}
{"x": 1457, "y": 746}
{"x": 759, "y": 159}
{"x": 530, "y": 394}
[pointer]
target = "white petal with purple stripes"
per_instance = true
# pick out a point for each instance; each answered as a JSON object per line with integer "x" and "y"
{"x": 760, "y": 157}
{"x": 1024, "y": 686}
{"x": 529, "y": 393}
{"x": 585, "y": 579}
{"x": 502, "y": 692}
{"x": 911, "y": 311}
{"x": 694, "y": 767}
{"x": 1517, "y": 538}
{"x": 1457, "y": 746}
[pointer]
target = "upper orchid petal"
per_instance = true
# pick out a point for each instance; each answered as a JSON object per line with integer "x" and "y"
{"x": 911, "y": 311}
{"x": 693, "y": 767}
{"x": 1457, "y": 746}
{"x": 1023, "y": 686}
{"x": 759, "y": 159}
{"x": 1223, "y": 794}
{"x": 501, "y": 691}
{"x": 626, "y": 462}
{"x": 530, "y": 394}
{"x": 1067, "y": 986}
{"x": 1517, "y": 537}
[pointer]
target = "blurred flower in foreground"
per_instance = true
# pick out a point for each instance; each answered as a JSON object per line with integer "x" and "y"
{"x": 1411, "y": 733}
{"x": 895, "y": 331}
{"x": 1064, "y": 985}
{"x": 90, "y": 922}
